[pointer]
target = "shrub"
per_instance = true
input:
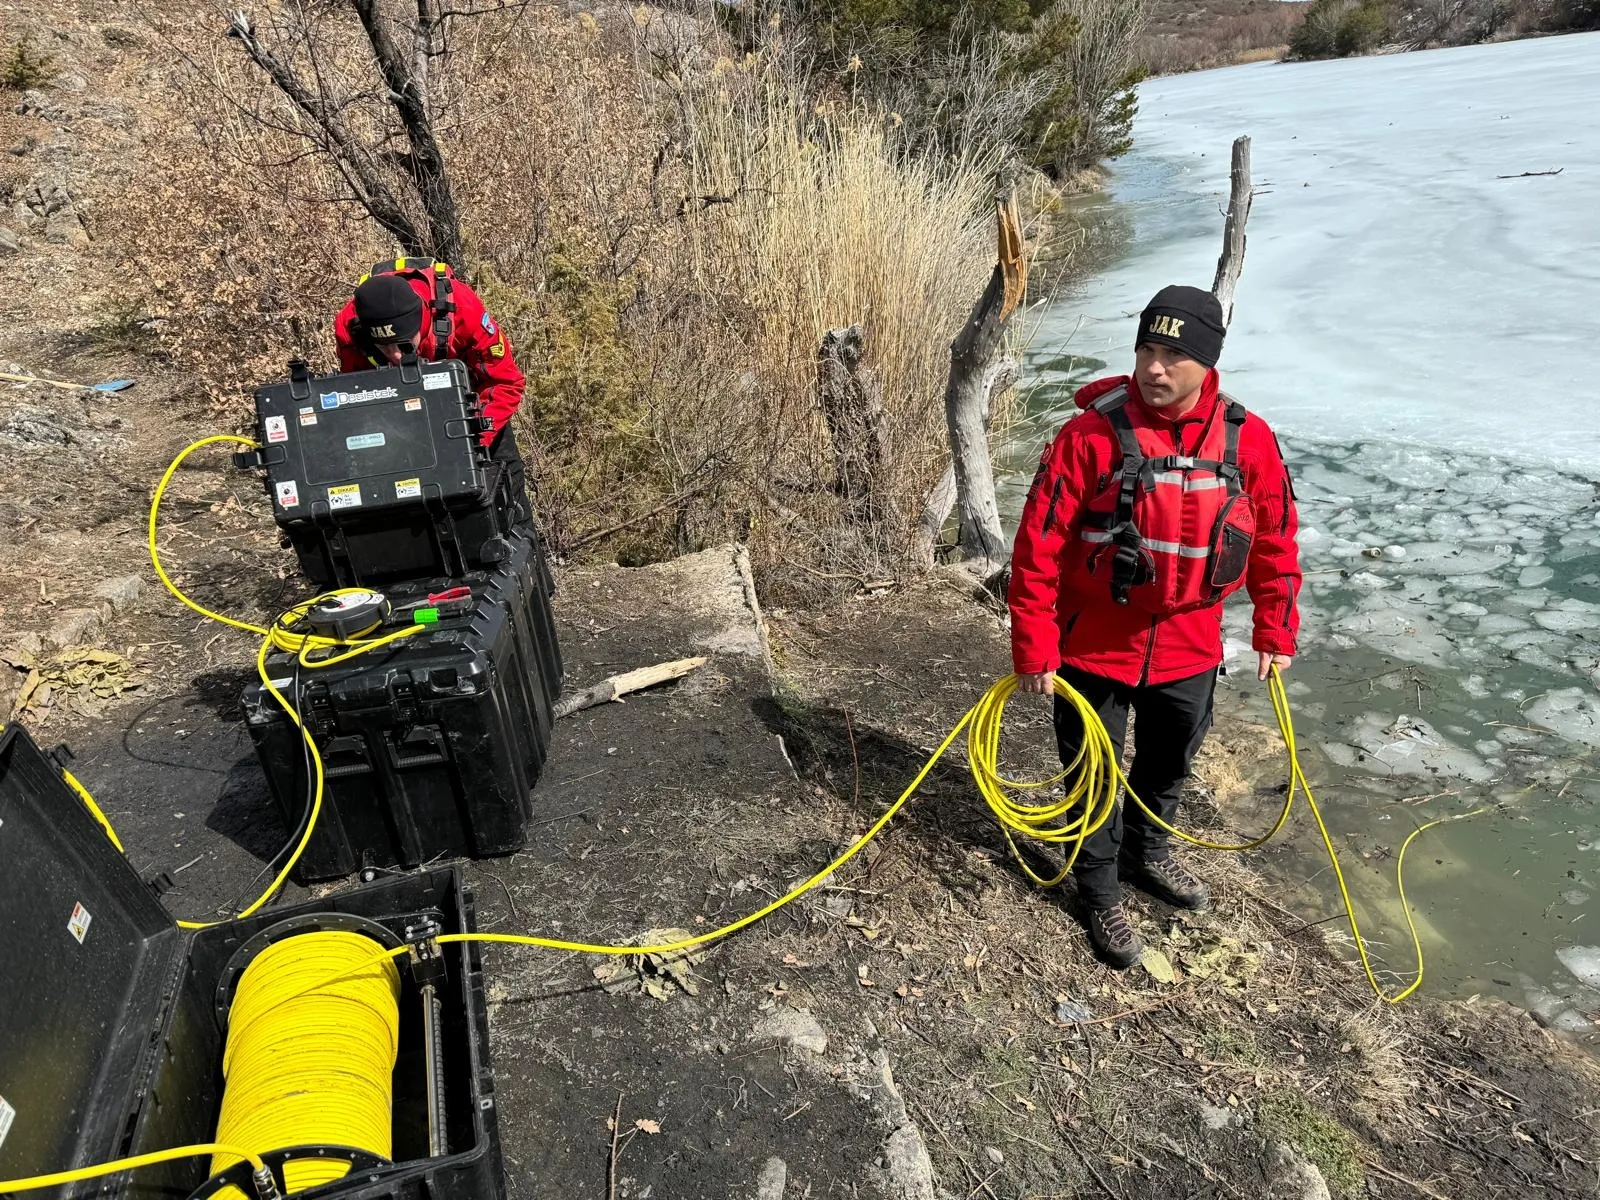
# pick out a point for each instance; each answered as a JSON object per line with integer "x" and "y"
{"x": 1361, "y": 30}
{"x": 25, "y": 66}
{"x": 664, "y": 228}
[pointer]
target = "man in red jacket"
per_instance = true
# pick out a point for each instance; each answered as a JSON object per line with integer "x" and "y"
{"x": 417, "y": 305}
{"x": 1156, "y": 501}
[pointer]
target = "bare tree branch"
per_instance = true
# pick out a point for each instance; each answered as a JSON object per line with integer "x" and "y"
{"x": 346, "y": 150}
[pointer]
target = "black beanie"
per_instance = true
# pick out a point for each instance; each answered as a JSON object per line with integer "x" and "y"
{"x": 388, "y": 310}
{"x": 1187, "y": 319}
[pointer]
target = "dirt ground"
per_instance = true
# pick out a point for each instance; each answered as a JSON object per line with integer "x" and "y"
{"x": 927, "y": 1024}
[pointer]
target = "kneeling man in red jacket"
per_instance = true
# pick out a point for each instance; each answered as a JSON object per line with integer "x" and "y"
{"x": 1152, "y": 504}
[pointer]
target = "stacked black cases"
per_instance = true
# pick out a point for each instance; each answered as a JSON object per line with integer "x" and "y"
{"x": 431, "y": 745}
{"x": 389, "y": 545}
{"x": 381, "y": 475}
{"x": 112, "y": 1042}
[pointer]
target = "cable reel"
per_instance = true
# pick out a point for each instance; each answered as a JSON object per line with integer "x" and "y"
{"x": 310, "y": 1012}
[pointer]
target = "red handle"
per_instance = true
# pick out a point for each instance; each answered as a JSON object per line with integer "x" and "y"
{"x": 455, "y": 593}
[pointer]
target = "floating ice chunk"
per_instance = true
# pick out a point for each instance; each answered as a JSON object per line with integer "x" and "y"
{"x": 1562, "y": 620}
{"x": 1466, "y": 608}
{"x": 1411, "y": 746}
{"x": 1366, "y": 581}
{"x": 1474, "y": 686}
{"x": 1535, "y": 577}
{"x": 1473, "y": 584}
{"x": 1499, "y": 624}
{"x": 1394, "y": 553}
{"x": 1576, "y": 897}
{"x": 1571, "y": 713}
{"x": 1583, "y": 962}
{"x": 1310, "y": 535}
{"x": 1486, "y": 749}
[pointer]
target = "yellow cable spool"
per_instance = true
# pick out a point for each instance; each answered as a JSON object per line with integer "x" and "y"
{"x": 312, "y": 1037}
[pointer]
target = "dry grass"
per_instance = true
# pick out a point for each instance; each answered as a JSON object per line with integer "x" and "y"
{"x": 665, "y": 230}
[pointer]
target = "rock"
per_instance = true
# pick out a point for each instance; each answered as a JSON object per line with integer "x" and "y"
{"x": 1217, "y": 1117}
{"x": 907, "y": 1163}
{"x": 10, "y": 243}
{"x": 29, "y": 643}
{"x": 792, "y": 1027}
{"x": 773, "y": 1179}
{"x": 1295, "y": 1178}
{"x": 64, "y": 229}
{"x": 34, "y": 426}
{"x": 994, "y": 1155}
{"x": 68, "y": 82}
{"x": 73, "y": 627}
{"x": 121, "y": 592}
{"x": 887, "y": 1093}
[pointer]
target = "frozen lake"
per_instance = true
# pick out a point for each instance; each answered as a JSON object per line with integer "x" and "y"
{"x": 1417, "y": 330}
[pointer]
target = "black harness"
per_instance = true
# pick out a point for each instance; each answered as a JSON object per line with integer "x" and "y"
{"x": 444, "y": 305}
{"x": 1132, "y": 564}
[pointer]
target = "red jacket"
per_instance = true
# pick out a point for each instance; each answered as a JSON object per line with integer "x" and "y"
{"x": 475, "y": 339}
{"x": 1058, "y": 619}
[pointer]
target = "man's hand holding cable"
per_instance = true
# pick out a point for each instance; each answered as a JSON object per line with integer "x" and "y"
{"x": 1041, "y": 684}
{"x": 1265, "y": 662}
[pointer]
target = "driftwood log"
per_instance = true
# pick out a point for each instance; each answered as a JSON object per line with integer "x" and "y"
{"x": 1231, "y": 261}
{"x": 618, "y": 686}
{"x": 967, "y": 401}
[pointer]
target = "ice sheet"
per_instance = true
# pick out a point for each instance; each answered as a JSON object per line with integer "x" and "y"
{"x": 1384, "y": 246}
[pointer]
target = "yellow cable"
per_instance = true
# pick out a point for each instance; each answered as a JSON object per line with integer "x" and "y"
{"x": 155, "y": 509}
{"x": 10, "y": 1187}
{"x": 1099, "y": 773}
{"x": 310, "y": 1055}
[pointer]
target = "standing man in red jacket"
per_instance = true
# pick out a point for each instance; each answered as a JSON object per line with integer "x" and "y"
{"x": 1154, "y": 503}
{"x": 417, "y": 305}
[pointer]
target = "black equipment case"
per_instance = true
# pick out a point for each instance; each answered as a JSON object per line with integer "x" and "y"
{"x": 111, "y": 1042}
{"x": 431, "y": 745}
{"x": 381, "y": 475}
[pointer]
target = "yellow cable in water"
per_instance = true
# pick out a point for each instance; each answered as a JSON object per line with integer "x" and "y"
{"x": 312, "y": 1038}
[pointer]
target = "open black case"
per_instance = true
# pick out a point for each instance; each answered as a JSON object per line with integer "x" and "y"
{"x": 110, "y": 1035}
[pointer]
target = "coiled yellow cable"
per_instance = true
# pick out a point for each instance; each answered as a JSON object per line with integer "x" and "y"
{"x": 312, "y": 1038}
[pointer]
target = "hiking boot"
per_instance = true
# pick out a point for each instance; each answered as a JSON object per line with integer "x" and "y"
{"x": 1112, "y": 936}
{"x": 1169, "y": 881}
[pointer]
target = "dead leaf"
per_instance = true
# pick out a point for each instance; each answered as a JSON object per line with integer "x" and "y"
{"x": 1159, "y": 966}
{"x": 645, "y": 1125}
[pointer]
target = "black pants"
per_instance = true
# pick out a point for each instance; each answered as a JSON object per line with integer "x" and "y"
{"x": 504, "y": 450}
{"x": 1173, "y": 721}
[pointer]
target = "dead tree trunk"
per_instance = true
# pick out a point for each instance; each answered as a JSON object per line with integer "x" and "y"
{"x": 356, "y": 155}
{"x": 854, "y": 412}
{"x": 942, "y": 498}
{"x": 406, "y": 79}
{"x": 966, "y": 397}
{"x": 1231, "y": 261}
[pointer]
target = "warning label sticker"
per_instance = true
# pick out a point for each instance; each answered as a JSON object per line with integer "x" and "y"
{"x": 78, "y": 923}
{"x": 414, "y": 404}
{"x": 277, "y": 429}
{"x": 432, "y": 383}
{"x": 288, "y": 494}
{"x": 363, "y": 441}
{"x": 7, "y": 1115}
{"x": 345, "y": 496}
{"x": 407, "y": 489}
{"x": 308, "y": 416}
